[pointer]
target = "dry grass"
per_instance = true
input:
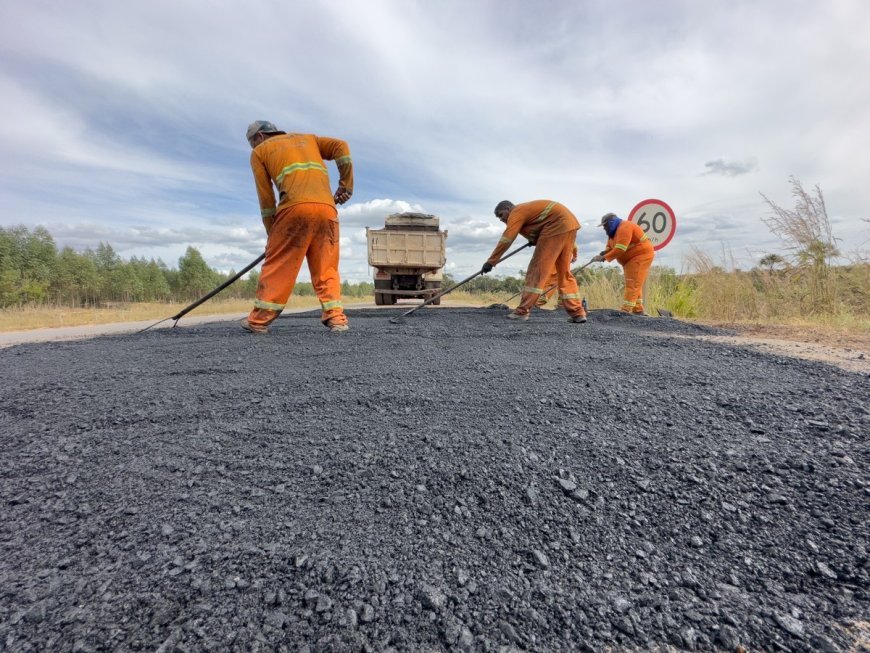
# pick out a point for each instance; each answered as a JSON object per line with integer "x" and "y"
{"x": 40, "y": 317}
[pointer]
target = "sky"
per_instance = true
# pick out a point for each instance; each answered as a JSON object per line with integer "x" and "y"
{"x": 125, "y": 122}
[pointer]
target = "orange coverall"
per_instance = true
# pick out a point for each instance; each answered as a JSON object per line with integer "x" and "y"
{"x": 634, "y": 252}
{"x": 553, "y": 229}
{"x": 304, "y": 224}
{"x": 552, "y": 283}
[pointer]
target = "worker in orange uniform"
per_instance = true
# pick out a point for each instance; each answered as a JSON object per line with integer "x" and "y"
{"x": 552, "y": 228}
{"x": 304, "y": 225}
{"x": 628, "y": 244}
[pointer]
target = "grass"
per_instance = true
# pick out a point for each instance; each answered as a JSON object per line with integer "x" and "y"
{"x": 761, "y": 303}
{"x": 41, "y": 317}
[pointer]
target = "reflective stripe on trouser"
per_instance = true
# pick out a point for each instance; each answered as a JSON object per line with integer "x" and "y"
{"x": 551, "y": 284}
{"x": 636, "y": 272}
{"x": 302, "y": 231}
{"x": 553, "y": 252}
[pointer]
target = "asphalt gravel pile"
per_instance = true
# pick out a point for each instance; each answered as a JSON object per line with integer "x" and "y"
{"x": 459, "y": 482}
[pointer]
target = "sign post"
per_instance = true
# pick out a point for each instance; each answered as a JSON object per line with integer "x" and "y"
{"x": 657, "y": 220}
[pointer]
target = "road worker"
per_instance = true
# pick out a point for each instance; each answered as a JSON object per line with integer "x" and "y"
{"x": 552, "y": 228}
{"x": 628, "y": 244}
{"x": 303, "y": 225}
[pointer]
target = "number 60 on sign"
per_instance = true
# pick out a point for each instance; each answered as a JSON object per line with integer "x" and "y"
{"x": 657, "y": 220}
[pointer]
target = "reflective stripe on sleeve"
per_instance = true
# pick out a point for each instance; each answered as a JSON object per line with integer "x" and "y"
{"x": 269, "y": 306}
{"x": 621, "y": 247}
{"x": 267, "y": 213}
{"x": 504, "y": 241}
{"x": 296, "y": 167}
{"x": 343, "y": 160}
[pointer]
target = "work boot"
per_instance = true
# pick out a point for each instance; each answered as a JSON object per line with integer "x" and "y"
{"x": 513, "y": 315}
{"x": 578, "y": 319}
{"x": 336, "y": 327}
{"x": 252, "y": 328}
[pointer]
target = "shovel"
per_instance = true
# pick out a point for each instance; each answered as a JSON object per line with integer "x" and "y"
{"x": 401, "y": 318}
{"x": 504, "y": 304}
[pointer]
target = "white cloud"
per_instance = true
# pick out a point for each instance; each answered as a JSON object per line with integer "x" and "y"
{"x": 730, "y": 168}
{"x": 126, "y": 120}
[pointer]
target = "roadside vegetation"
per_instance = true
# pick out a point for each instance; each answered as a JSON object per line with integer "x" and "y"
{"x": 43, "y": 286}
{"x": 800, "y": 286}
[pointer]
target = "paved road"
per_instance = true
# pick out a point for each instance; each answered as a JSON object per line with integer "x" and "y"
{"x": 458, "y": 482}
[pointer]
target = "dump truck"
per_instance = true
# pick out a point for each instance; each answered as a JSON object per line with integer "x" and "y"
{"x": 408, "y": 255}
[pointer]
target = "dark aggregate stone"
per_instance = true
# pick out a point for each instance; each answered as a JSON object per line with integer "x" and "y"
{"x": 457, "y": 483}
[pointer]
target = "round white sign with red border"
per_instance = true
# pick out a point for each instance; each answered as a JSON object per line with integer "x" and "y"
{"x": 657, "y": 220}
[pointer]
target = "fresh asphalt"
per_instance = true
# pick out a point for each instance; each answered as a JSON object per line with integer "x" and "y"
{"x": 457, "y": 482}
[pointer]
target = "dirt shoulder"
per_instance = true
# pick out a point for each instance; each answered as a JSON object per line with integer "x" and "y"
{"x": 848, "y": 351}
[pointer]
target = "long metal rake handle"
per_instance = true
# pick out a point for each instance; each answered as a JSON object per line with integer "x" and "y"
{"x": 580, "y": 269}
{"x": 396, "y": 319}
{"x": 205, "y": 298}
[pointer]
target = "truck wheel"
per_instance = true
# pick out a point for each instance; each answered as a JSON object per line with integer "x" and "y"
{"x": 379, "y": 299}
{"x": 390, "y": 299}
{"x": 437, "y": 302}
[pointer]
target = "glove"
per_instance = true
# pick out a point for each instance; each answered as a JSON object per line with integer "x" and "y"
{"x": 602, "y": 252}
{"x": 532, "y": 242}
{"x": 486, "y": 267}
{"x": 599, "y": 258}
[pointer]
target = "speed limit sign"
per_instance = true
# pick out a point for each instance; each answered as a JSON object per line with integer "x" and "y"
{"x": 657, "y": 220}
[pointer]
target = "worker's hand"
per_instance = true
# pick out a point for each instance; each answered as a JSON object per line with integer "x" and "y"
{"x": 486, "y": 267}
{"x": 574, "y": 257}
{"x": 342, "y": 195}
{"x": 532, "y": 242}
{"x": 598, "y": 259}
{"x": 603, "y": 252}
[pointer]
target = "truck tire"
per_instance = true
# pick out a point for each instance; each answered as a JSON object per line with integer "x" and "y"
{"x": 437, "y": 302}
{"x": 379, "y": 299}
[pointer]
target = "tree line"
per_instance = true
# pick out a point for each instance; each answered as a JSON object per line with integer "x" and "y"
{"x": 34, "y": 271}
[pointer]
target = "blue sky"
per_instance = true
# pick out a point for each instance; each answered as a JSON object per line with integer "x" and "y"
{"x": 124, "y": 122}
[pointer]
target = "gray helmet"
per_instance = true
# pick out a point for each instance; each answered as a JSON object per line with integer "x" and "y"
{"x": 606, "y": 217}
{"x": 503, "y": 205}
{"x": 259, "y": 126}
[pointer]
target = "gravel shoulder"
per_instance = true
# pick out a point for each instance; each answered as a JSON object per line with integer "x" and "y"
{"x": 458, "y": 483}
{"x": 854, "y": 358}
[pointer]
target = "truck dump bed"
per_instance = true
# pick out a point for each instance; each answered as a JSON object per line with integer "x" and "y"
{"x": 408, "y": 241}
{"x": 389, "y": 248}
